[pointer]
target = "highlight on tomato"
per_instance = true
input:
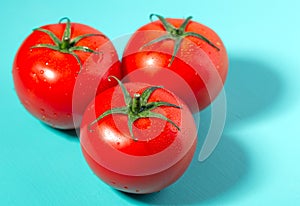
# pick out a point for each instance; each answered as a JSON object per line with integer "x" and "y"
{"x": 138, "y": 138}
{"x": 47, "y": 64}
{"x": 191, "y": 50}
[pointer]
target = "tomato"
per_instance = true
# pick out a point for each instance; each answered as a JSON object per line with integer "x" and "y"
{"x": 187, "y": 50}
{"x": 138, "y": 138}
{"x": 48, "y": 63}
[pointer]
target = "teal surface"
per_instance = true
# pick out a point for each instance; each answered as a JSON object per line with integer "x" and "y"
{"x": 255, "y": 163}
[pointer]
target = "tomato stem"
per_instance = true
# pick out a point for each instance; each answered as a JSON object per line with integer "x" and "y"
{"x": 137, "y": 107}
{"x": 136, "y": 103}
{"x": 66, "y": 44}
{"x": 176, "y": 34}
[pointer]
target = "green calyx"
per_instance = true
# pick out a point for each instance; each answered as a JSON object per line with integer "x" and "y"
{"x": 137, "y": 107}
{"x": 176, "y": 34}
{"x": 66, "y": 44}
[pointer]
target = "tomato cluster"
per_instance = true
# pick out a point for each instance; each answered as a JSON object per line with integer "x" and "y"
{"x": 137, "y": 130}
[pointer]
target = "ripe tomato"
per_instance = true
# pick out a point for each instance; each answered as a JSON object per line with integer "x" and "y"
{"x": 140, "y": 140}
{"x": 48, "y": 62}
{"x": 190, "y": 50}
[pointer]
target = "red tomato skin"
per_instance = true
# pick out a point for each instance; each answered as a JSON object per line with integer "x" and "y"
{"x": 203, "y": 67}
{"x": 141, "y": 184}
{"x": 44, "y": 79}
{"x": 94, "y": 144}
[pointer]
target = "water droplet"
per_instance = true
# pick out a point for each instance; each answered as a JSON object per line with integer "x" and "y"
{"x": 125, "y": 187}
{"x": 42, "y": 110}
{"x": 99, "y": 58}
{"x": 68, "y": 115}
{"x": 46, "y": 63}
{"x": 118, "y": 143}
{"x": 27, "y": 104}
{"x": 137, "y": 190}
{"x": 30, "y": 50}
{"x": 112, "y": 182}
{"x": 54, "y": 114}
{"x": 45, "y": 80}
{"x": 50, "y": 87}
{"x": 43, "y": 117}
{"x": 42, "y": 71}
{"x": 174, "y": 129}
{"x": 112, "y": 54}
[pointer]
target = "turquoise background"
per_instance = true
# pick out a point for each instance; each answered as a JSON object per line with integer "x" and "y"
{"x": 255, "y": 163}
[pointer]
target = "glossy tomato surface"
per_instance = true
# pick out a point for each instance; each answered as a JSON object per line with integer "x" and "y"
{"x": 45, "y": 78}
{"x": 157, "y": 158}
{"x": 202, "y": 66}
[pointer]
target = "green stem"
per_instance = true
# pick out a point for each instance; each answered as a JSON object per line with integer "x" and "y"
{"x": 137, "y": 107}
{"x": 136, "y": 103}
{"x": 65, "y": 44}
{"x": 177, "y": 35}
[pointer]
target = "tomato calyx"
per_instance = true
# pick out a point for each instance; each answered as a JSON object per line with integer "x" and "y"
{"x": 66, "y": 44}
{"x": 176, "y": 34}
{"x": 137, "y": 107}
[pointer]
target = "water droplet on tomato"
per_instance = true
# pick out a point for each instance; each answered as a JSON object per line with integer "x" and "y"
{"x": 54, "y": 114}
{"x": 100, "y": 57}
{"x": 68, "y": 115}
{"x": 42, "y": 71}
{"x": 174, "y": 129}
{"x": 27, "y": 104}
{"x": 46, "y": 63}
{"x": 118, "y": 143}
{"x": 42, "y": 110}
{"x": 43, "y": 117}
{"x": 125, "y": 187}
{"x": 137, "y": 190}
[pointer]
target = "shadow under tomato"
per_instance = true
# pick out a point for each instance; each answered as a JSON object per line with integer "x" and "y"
{"x": 69, "y": 134}
{"x": 253, "y": 89}
{"x": 222, "y": 171}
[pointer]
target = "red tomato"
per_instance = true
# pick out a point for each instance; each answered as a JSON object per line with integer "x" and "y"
{"x": 47, "y": 65}
{"x": 190, "y": 50}
{"x": 134, "y": 146}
